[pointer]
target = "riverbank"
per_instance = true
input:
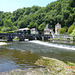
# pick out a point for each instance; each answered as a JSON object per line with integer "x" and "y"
{"x": 3, "y": 43}
{"x": 50, "y": 66}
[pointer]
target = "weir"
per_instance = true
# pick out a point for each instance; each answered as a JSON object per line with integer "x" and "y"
{"x": 61, "y": 46}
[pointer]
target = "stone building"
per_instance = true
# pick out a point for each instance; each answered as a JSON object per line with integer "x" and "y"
{"x": 48, "y": 30}
{"x": 57, "y": 27}
{"x": 24, "y": 31}
{"x": 34, "y": 31}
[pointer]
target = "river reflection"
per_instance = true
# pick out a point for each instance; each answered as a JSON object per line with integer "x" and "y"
{"x": 22, "y": 55}
{"x": 13, "y": 59}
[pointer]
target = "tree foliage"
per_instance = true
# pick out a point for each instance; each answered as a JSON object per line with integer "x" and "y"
{"x": 62, "y": 30}
{"x": 73, "y": 33}
{"x": 8, "y": 26}
{"x": 70, "y": 29}
{"x": 42, "y": 26}
{"x": 62, "y": 11}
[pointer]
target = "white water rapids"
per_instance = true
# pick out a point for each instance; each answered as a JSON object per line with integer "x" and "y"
{"x": 54, "y": 45}
{"x": 3, "y": 43}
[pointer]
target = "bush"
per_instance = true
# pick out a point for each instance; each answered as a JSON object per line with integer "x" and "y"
{"x": 70, "y": 29}
{"x": 62, "y": 31}
{"x": 73, "y": 33}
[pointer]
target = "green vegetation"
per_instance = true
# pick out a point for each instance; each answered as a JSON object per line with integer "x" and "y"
{"x": 62, "y": 31}
{"x": 15, "y": 39}
{"x": 56, "y": 67}
{"x": 73, "y": 34}
{"x": 62, "y": 11}
{"x": 71, "y": 28}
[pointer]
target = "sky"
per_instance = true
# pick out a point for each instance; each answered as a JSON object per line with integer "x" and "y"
{"x": 12, "y": 5}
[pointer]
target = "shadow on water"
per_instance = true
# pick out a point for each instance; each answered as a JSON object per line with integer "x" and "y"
{"x": 14, "y": 59}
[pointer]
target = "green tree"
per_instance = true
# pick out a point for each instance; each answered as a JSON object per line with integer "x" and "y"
{"x": 73, "y": 34}
{"x": 70, "y": 29}
{"x": 1, "y": 23}
{"x": 34, "y": 8}
{"x": 21, "y": 24}
{"x": 65, "y": 14}
{"x": 62, "y": 31}
{"x": 0, "y": 28}
{"x": 59, "y": 18}
{"x": 62, "y": 11}
{"x": 36, "y": 25}
{"x": 8, "y": 23}
{"x": 8, "y": 26}
{"x": 42, "y": 26}
{"x": 31, "y": 25}
{"x": 6, "y": 29}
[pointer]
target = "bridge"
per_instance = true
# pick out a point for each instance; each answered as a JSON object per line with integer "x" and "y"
{"x": 22, "y": 37}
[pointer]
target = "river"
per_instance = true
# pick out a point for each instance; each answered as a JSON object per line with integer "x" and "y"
{"x": 23, "y": 55}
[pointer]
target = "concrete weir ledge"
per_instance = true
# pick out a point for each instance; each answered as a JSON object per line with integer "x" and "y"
{"x": 3, "y": 43}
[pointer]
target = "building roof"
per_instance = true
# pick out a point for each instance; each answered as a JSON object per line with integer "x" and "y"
{"x": 58, "y": 24}
{"x": 23, "y": 29}
{"x": 33, "y": 29}
{"x": 47, "y": 26}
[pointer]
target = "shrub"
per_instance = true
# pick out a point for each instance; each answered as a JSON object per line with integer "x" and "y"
{"x": 62, "y": 31}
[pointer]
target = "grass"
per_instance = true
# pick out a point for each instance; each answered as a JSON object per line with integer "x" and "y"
{"x": 70, "y": 64}
{"x": 16, "y": 39}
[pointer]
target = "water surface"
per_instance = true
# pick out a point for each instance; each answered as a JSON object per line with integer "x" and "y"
{"x": 23, "y": 55}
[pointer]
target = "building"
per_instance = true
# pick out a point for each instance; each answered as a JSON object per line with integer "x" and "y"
{"x": 24, "y": 30}
{"x": 57, "y": 27}
{"x": 48, "y": 30}
{"x": 34, "y": 31}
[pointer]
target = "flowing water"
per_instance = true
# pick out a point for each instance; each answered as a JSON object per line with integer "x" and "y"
{"x": 23, "y": 55}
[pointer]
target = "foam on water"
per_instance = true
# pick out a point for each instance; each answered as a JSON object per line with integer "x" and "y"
{"x": 3, "y": 43}
{"x": 54, "y": 45}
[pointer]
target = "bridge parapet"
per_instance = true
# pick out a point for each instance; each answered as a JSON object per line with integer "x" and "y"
{"x": 21, "y": 37}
